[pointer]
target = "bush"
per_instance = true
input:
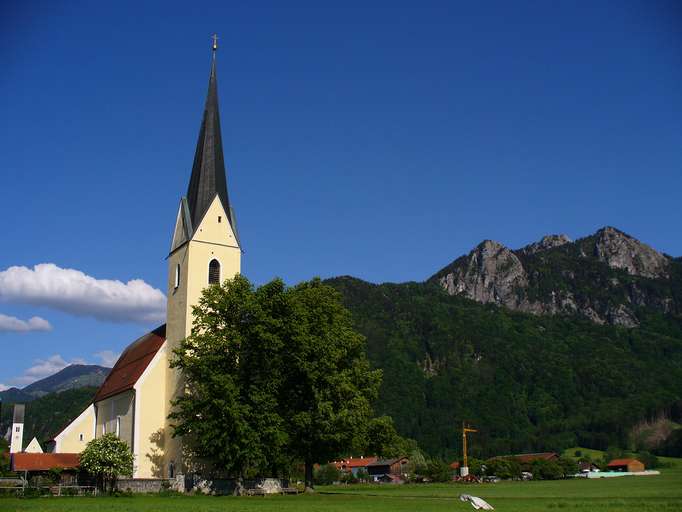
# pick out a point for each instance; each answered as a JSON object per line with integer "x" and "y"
{"x": 107, "y": 457}
{"x": 649, "y": 460}
{"x": 438, "y": 471}
{"x": 348, "y": 478}
{"x": 33, "y": 492}
{"x": 475, "y": 466}
{"x": 568, "y": 466}
{"x": 504, "y": 468}
{"x": 327, "y": 475}
{"x": 613, "y": 452}
{"x": 546, "y": 470}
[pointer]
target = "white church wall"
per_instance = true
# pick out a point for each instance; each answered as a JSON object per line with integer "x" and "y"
{"x": 77, "y": 434}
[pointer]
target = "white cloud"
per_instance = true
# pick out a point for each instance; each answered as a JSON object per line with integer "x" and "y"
{"x": 3, "y": 387}
{"x": 44, "y": 368}
{"x": 13, "y": 324}
{"x": 107, "y": 357}
{"x": 77, "y": 293}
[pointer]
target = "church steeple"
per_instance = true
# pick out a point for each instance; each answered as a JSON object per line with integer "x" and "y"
{"x": 205, "y": 251}
{"x": 208, "y": 170}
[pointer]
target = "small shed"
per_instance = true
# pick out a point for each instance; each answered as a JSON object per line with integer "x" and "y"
{"x": 39, "y": 464}
{"x": 626, "y": 465}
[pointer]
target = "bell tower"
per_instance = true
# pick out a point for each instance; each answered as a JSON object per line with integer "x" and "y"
{"x": 205, "y": 248}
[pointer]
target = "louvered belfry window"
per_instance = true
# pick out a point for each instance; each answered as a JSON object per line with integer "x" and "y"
{"x": 214, "y": 272}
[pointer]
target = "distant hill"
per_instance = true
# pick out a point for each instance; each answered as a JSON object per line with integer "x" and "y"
{"x": 72, "y": 377}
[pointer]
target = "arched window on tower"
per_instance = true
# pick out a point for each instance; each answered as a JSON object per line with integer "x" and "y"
{"x": 214, "y": 272}
{"x": 177, "y": 275}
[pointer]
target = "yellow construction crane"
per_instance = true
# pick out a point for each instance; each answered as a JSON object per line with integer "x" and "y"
{"x": 465, "y": 463}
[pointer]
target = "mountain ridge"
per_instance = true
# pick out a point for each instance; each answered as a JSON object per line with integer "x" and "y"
{"x": 607, "y": 277}
{"x": 74, "y": 376}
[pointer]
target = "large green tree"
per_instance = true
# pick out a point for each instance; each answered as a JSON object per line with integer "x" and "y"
{"x": 272, "y": 374}
{"x": 329, "y": 384}
{"x": 230, "y": 416}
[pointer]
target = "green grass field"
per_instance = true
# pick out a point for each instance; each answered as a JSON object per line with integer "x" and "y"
{"x": 652, "y": 493}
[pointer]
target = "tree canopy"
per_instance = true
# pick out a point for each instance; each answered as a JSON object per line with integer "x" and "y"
{"x": 273, "y": 374}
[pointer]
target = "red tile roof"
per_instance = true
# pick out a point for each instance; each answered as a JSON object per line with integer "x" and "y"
{"x": 44, "y": 461}
{"x": 621, "y": 462}
{"x": 132, "y": 364}
{"x": 354, "y": 462}
{"x": 530, "y": 457}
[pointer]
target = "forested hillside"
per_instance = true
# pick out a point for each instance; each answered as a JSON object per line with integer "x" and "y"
{"x": 527, "y": 382}
{"x": 46, "y": 415}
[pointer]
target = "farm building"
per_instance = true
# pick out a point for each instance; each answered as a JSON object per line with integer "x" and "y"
{"x": 629, "y": 465}
{"x": 528, "y": 458}
{"x": 388, "y": 469}
{"x": 39, "y": 464}
{"x": 354, "y": 465}
{"x": 585, "y": 466}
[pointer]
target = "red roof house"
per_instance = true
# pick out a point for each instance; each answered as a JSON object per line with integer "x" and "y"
{"x": 353, "y": 465}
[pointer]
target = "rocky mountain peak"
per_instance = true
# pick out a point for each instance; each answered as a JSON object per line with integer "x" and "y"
{"x": 619, "y": 250}
{"x": 547, "y": 242}
{"x": 489, "y": 273}
{"x": 564, "y": 283}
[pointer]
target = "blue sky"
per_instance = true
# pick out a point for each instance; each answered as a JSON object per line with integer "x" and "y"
{"x": 380, "y": 140}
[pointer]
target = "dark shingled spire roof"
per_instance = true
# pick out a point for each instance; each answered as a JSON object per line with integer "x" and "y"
{"x": 208, "y": 171}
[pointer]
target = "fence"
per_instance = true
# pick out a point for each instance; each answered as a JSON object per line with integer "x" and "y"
{"x": 20, "y": 487}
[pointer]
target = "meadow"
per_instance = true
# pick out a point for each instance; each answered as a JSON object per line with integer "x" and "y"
{"x": 651, "y": 493}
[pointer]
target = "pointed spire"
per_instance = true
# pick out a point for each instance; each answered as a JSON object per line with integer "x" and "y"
{"x": 208, "y": 171}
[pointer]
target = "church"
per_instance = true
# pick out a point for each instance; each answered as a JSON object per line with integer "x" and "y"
{"x": 135, "y": 399}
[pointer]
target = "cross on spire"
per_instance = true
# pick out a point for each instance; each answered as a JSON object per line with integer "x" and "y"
{"x": 215, "y": 41}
